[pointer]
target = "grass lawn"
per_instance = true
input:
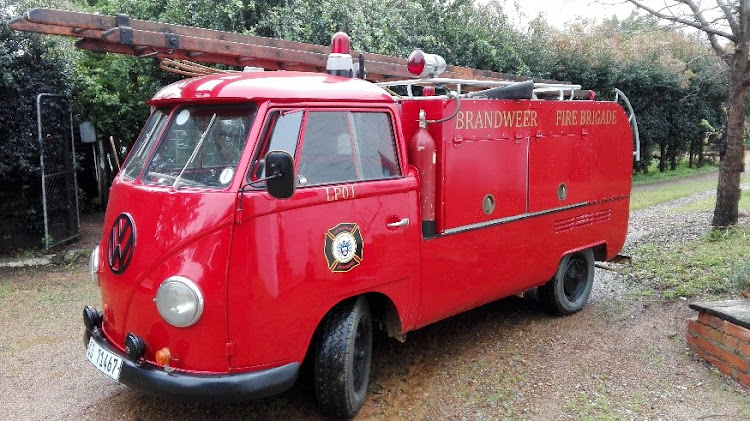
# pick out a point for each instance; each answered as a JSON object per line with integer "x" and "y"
{"x": 717, "y": 264}
{"x": 645, "y": 198}
{"x": 709, "y": 203}
{"x": 682, "y": 171}
{"x": 655, "y": 195}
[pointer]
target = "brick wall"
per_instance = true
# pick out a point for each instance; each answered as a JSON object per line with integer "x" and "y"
{"x": 723, "y": 344}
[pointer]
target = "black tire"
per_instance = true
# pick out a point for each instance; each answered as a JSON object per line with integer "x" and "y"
{"x": 343, "y": 359}
{"x": 569, "y": 290}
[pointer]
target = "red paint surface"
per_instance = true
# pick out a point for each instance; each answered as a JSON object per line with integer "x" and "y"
{"x": 263, "y": 271}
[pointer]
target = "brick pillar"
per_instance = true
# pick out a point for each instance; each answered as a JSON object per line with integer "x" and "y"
{"x": 723, "y": 344}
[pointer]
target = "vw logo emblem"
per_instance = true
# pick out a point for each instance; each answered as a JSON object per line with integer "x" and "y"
{"x": 121, "y": 243}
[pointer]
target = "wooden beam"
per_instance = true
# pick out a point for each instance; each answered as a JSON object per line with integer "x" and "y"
{"x": 24, "y": 25}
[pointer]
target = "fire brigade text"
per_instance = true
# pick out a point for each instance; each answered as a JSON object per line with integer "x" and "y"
{"x": 585, "y": 117}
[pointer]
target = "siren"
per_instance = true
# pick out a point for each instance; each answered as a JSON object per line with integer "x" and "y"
{"x": 340, "y": 61}
{"x": 421, "y": 64}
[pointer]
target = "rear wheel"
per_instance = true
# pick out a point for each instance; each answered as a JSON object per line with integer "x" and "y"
{"x": 343, "y": 359}
{"x": 569, "y": 290}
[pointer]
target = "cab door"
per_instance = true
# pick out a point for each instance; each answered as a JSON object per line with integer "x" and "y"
{"x": 351, "y": 227}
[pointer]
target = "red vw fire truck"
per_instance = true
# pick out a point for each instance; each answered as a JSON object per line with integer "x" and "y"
{"x": 262, "y": 217}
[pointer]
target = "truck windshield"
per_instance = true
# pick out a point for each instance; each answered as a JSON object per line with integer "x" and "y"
{"x": 148, "y": 136}
{"x": 201, "y": 147}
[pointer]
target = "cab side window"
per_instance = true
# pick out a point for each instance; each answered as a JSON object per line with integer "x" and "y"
{"x": 347, "y": 146}
{"x": 327, "y": 154}
{"x": 376, "y": 144}
{"x": 286, "y": 132}
{"x": 282, "y": 134}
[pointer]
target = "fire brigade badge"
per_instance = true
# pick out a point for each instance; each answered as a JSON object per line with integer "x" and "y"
{"x": 343, "y": 247}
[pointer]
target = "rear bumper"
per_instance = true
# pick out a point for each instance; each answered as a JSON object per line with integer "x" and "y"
{"x": 213, "y": 388}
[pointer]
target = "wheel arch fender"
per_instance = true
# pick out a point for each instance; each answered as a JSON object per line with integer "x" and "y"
{"x": 385, "y": 315}
{"x": 600, "y": 251}
{"x": 599, "y": 248}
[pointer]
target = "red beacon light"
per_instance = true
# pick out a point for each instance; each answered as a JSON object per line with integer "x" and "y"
{"x": 340, "y": 43}
{"x": 340, "y": 61}
{"x": 421, "y": 64}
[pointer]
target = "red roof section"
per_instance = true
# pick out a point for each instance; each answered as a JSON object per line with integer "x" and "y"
{"x": 278, "y": 85}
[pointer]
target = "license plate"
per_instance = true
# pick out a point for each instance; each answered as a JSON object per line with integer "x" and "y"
{"x": 107, "y": 362}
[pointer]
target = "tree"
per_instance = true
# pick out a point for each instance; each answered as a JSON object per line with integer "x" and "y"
{"x": 463, "y": 33}
{"x": 673, "y": 80}
{"x": 112, "y": 90}
{"x": 730, "y": 21}
{"x": 32, "y": 64}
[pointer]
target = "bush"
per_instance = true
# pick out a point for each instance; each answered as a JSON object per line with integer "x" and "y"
{"x": 31, "y": 65}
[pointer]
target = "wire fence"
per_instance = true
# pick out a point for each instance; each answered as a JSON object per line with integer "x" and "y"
{"x": 57, "y": 159}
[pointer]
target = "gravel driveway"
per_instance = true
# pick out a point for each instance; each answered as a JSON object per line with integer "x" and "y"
{"x": 622, "y": 357}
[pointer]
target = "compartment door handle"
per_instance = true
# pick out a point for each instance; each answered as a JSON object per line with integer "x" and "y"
{"x": 402, "y": 223}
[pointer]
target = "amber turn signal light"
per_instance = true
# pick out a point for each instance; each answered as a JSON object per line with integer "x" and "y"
{"x": 163, "y": 356}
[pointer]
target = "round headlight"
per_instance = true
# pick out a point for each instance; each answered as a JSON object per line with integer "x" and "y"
{"x": 179, "y": 301}
{"x": 94, "y": 265}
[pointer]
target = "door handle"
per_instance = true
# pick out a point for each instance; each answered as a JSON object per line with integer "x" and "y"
{"x": 402, "y": 223}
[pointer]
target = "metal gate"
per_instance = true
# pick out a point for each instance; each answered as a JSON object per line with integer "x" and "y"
{"x": 57, "y": 161}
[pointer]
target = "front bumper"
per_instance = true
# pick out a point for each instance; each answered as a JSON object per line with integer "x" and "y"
{"x": 208, "y": 388}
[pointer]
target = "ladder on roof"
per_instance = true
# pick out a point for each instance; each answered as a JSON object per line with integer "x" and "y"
{"x": 140, "y": 38}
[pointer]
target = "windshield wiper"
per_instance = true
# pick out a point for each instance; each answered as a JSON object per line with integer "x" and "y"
{"x": 176, "y": 184}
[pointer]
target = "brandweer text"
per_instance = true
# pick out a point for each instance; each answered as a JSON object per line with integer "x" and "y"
{"x": 495, "y": 119}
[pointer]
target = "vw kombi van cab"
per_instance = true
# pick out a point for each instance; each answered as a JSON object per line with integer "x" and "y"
{"x": 262, "y": 217}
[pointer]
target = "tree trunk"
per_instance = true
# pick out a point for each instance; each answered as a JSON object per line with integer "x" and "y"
{"x": 662, "y": 157}
{"x": 732, "y": 162}
{"x": 672, "y": 157}
{"x": 693, "y": 147}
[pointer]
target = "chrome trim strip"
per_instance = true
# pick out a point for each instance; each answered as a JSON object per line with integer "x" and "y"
{"x": 522, "y": 216}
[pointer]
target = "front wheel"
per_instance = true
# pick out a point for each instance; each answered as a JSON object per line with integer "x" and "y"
{"x": 569, "y": 290}
{"x": 343, "y": 359}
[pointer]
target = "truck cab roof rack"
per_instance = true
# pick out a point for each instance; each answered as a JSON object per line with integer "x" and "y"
{"x": 495, "y": 89}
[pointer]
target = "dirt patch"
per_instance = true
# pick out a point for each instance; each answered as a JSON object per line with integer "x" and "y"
{"x": 619, "y": 358}
{"x": 508, "y": 361}
{"x": 623, "y": 357}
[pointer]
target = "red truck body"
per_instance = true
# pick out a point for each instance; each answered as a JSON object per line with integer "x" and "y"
{"x": 262, "y": 220}
{"x": 519, "y": 185}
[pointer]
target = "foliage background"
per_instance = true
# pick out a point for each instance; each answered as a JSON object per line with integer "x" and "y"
{"x": 674, "y": 80}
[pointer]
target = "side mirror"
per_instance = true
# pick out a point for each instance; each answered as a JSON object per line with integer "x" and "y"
{"x": 280, "y": 181}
